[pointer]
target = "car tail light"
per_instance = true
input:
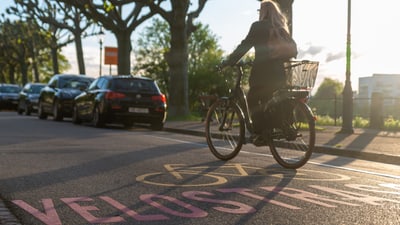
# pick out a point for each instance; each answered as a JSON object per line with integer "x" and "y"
{"x": 114, "y": 95}
{"x": 159, "y": 98}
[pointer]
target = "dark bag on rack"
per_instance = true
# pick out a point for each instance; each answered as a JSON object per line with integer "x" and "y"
{"x": 281, "y": 45}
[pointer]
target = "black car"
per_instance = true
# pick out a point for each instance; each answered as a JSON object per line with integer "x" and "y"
{"x": 29, "y": 97}
{"x": 9, "y": 96}
{"x": 57, "y": 96}
{"x": 122, "y": 99}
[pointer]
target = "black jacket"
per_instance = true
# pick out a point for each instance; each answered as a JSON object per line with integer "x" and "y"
{"x": 265, "y": 72}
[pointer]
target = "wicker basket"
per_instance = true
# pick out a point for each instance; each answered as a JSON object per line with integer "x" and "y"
{"x": 301, "y": 74}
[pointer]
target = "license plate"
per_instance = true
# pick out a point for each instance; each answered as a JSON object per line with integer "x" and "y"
{"x": 138, "y": 110}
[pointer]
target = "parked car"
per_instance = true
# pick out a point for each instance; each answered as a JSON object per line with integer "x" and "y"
{"x": 9, "y": 96}
{"x": 29, "y": 97}
{"x": 57, "y": 96}
{"x": 122, "y": 99}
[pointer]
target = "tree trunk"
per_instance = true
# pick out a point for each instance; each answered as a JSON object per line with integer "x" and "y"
{"x": 178, "y": 63}
{"x": 54, "y": 58}
{"x": 24, "y": 71}
{"x": 124, "y": 52}
{"x": 11, "y": 73}
{"x": 177, "y": 60}
{"x": 79, "y": 54}
{"x": 36, "y": 77}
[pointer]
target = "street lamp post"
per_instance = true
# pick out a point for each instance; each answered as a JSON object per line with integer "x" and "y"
{"x": 101, "y": 36}
{"x": 347, "y": 125}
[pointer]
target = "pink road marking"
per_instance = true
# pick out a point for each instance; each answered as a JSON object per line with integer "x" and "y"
{"x": 241, "y": 207}
{"x": 246, "y": 192}
{"x": 371, "y": 200}
{"x": 132, "y": 213}
{"x": 306, "y": 196}
{"x": 84, "y": 211}
{"x": 49, "y": 217}
{"x": 194, "y": 211}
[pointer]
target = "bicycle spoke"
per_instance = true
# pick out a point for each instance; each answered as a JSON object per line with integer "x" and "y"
{"x": 293, "y": 144}
{"x": 224, "y": 130}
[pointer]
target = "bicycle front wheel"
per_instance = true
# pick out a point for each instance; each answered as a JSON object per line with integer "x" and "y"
{"x": 293, "y": 143}
{"x": 225, "y": 129}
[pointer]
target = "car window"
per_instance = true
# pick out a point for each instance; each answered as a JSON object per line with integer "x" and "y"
{"x": 35, "y": 89}
{"x": 104, "y": 84}
{"x": 74, "y": 82}
{"x": 10, "y": 89}
{"x": 53, "y": 82}
{"x": 94, "y": 84}
{"x": 26, "y": 88}
{"x": 134, "y": 85}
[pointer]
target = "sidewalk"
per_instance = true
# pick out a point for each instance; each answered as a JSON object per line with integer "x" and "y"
{"x": 367, "y": 144}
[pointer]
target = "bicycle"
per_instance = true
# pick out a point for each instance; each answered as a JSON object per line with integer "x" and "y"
{"x": 291, "y": 137}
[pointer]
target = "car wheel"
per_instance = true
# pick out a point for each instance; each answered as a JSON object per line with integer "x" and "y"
{"x": 19, "y": 109}
{"x": 157, "y": 125}
{"x": 41, "y": 114}
{"x": 98, "y": 118}
{"x": 57, "y": 114}
{"x": 75, "y": 116}
{"x": 27, "y": 110}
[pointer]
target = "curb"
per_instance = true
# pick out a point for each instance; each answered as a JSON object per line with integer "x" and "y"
{"x": 323, "y": 149}
{"x": 6, "y": 217}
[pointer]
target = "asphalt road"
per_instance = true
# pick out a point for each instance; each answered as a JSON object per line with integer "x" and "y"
{"x": 61, "y": 173}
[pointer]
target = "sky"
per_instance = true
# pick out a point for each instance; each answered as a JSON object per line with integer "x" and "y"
{"x": 319, "y": 28}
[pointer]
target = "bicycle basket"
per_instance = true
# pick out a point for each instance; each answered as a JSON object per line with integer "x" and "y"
{"x": 301, "y": 74}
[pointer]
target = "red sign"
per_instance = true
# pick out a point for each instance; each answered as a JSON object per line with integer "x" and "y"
{"x": 111, "y": 56}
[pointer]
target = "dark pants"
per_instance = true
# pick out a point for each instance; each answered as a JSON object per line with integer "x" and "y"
{"x": 264, "y": 80}
{"x": 257, "y": 98}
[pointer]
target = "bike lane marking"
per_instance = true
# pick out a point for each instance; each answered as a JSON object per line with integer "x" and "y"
{"x": 219, "y": 174}
{"x": 310, "y": 161}
{"x": 84, "y": 206}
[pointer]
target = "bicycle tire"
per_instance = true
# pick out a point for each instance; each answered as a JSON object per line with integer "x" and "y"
{"x": 293, "y": 143}
{"x": 225, "y": 129}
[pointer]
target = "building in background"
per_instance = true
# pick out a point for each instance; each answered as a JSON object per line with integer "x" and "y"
{"x": 388, "y": 85}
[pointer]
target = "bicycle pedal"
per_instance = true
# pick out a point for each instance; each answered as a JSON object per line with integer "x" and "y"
{"x": 259, "y": 141}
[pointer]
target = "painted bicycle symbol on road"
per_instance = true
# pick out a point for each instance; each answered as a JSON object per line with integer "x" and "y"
{"x": 183, "y": 175}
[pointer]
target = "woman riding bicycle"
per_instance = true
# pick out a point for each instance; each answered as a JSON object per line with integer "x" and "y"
{"x": 267, "y": 74}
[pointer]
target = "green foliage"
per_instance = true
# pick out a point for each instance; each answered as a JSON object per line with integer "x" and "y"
{"x": 390, "y": 123}
{"x": 360, "y": 122}
{"x": 204, "y": 54}
{"x": 150, "y": 52}
{"x": 326, "y": 99}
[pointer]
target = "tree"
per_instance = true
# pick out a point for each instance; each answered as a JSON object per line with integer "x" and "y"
{"x": 23, "y": 44}
{"x": 109, "y": 13}
{"x": 151, "y": 46}
{"x": 203, "y": 54}
{"x": 180, "y": 21}
{"x": 57, "y": 17}
{"x": 326, "y": 97}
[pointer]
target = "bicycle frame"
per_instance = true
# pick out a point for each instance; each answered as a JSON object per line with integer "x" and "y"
{"x": 239, "y": 97}
{"x": 290, "y": 133}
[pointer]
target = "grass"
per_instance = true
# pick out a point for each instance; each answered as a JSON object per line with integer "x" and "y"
{"x": 389, "y": 123}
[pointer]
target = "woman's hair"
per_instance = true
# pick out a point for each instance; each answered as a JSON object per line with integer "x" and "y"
{"x": 270, "y": 10}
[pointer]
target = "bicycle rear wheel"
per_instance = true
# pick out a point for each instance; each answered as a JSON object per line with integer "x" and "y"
{"x": 225, "y": 129}
{"x": 293, "y": 143}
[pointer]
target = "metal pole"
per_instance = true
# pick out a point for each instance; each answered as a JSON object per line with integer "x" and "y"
{"x": 347, "y": 125}
{"x": 101, "y": 58}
